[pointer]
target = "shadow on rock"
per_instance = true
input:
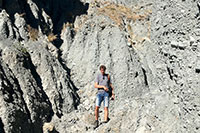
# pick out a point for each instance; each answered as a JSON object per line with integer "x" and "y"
{"x": 59, "y": 11}
{"x": 75, "y": 95}
{"x": 1, "y": 126}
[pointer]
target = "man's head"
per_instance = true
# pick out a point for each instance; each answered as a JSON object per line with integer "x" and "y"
{"x": 102, "y": 69}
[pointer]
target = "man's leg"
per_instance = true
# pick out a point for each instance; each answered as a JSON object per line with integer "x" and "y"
{"x": 98, "y": 103}
{"x": 96, "y": 124}
{"x": 106, "y": 114}
{"x": 96, "y": 113}
{"x": 106, "y": 104}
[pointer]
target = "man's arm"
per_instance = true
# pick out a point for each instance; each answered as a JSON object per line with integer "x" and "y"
{"x": 112, "y": 87}
{"x": 100, "y": 86}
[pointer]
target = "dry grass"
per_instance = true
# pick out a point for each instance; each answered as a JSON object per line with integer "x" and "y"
{"x": 81, "y": 22}
{"x": 70, "y": 25}
{"x": 134, "y": 38}
{"x": 149, "y": 29}
{"x": 130, "y": 31}
{"x": 48, "y": 127}
{"x": 120, "y": 12}
{"x": 67, "y": 25}
{"x": 51, "y": 37}
{"x": 22, "y": 14}
{"x": 33, "y": 33}
{"x": 123, "y": 16}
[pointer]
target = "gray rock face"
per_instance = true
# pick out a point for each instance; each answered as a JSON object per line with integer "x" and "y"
{"x": 14, "y": 113}
{"x": 34, "y": 97}
{"x": 54, "y": 79}
{"x": 41, "y": 94}
{"x": 20, "y": 23}
{"x": 165, "y": 105}
{"x": 105, "y": 44}
{"x": 175, "y": 35}
{"x": 150, "y": 49}
{"x": 6, "y": 27}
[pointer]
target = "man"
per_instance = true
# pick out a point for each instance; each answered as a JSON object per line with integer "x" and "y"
{"x": 103, "y": 83}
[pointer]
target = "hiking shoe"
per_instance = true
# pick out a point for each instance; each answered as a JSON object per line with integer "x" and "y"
{"x": 96, "y": 124}
{"x": 106, "y": 121}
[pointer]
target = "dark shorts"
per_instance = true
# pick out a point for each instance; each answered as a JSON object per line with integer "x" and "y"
{"x": 102, "y": 96}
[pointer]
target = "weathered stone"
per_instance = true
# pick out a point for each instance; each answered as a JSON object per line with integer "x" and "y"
{"x": 14, "y": 115}
{"x": 150, "y": 49}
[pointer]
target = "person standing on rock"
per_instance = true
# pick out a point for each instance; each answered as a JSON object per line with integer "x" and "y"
{"x": 103, "y": 83}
